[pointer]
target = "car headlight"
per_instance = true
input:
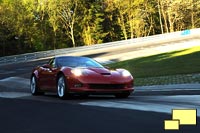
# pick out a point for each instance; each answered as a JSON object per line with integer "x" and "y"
{"x": 126, "y": 73}
{"x": 77, "y": 72}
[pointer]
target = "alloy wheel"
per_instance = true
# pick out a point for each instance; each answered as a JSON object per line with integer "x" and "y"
{"x": 33, "y": 85}
{"x": 61, "y": 87}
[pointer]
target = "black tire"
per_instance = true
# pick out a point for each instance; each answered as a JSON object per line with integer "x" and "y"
{"x": 62, "y": 87}
{"x": 34, "y": 86}
{"x": 122, "y": 95}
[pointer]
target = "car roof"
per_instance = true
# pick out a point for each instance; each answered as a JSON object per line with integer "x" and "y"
{"x": 58, "y": 57}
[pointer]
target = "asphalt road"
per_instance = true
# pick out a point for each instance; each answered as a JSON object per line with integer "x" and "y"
{"x": 48, "y": 114}
{"x": 19, "y": 69}
{"x": 26, "y": 116}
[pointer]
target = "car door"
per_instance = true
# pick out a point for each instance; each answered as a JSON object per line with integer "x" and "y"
{"x": 48, "y": 76}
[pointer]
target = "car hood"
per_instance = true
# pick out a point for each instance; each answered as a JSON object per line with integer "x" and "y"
{"x": 102, "y": 71}
{"x": 103, "y": 76}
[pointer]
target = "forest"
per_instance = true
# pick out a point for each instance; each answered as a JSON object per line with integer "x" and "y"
{"x": 37, "y": 25}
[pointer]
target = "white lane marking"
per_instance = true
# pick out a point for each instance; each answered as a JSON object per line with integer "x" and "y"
{"x": 13, "y": 94}
{"x": 14, "y": 85}
{"x": 152, "y": 104}
{"x": 7, "y": 72}
{"x": 15, "y": 82}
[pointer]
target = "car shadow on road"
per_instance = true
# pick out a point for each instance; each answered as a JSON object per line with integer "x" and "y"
{"x": 52, "y": 97}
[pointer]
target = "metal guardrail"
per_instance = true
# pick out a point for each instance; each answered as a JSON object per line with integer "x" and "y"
{"x": 168, "y": 37}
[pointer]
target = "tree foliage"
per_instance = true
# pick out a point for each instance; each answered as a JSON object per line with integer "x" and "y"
{"x": 35, "y": 25}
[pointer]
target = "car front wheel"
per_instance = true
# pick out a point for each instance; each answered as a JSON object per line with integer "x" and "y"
{"x": 34, "y": 86}
{"x": 61, "y": 87}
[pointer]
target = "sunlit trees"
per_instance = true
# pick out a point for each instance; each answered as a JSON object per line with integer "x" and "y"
{"x": 35, "y": 25}
{"x": 18, "y": 19}
{"x": 194, "y": 13}
{"x": 53, "y": 18}
{"x": 67, "y": 12}
{"x": 134, "y": 16}
{"x": 92, "y": 23}
{"x": 180, "y": 14}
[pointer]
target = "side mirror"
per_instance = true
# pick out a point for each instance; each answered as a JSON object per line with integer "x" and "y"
{"x": 107, "y": 67}
{"x": 46, "y": 66}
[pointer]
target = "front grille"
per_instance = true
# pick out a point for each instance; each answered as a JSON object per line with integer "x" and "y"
{"x": 106, "y": 86}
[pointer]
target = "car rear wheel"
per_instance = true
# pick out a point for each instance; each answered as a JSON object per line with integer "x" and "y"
{"x": 34, "y": 86}
{"x": 122, "y": 95}
{"x": 61, "y": 87}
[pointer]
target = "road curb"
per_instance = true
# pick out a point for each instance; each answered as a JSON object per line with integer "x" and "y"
{"x": 170, "y": 87}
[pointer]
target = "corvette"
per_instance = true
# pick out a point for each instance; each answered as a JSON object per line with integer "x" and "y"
{"x": 68, "y": 75}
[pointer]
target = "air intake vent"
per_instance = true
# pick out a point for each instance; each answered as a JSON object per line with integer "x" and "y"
{"x": 105, "y": 74}
{"x": 106, "y": 86}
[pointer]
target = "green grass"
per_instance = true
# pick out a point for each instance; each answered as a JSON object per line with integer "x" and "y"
{"x": 178, "y": 62}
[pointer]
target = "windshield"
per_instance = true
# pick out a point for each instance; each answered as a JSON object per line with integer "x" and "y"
{"x": 77, "y": 62}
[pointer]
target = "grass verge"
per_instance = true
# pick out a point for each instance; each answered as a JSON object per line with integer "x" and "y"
{"x": 173, "y": 63}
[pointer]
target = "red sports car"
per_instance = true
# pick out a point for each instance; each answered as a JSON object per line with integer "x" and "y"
{"x": 68, "y": 75}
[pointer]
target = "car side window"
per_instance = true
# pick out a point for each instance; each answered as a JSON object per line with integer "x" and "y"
{"x": 52, "y": 63}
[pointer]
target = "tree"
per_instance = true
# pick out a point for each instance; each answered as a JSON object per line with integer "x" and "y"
{"x": 52, "y": 12}
{"x": 35, "y": 25}
{"x": 180, "y": 14}
{"x": 92, "y": 23}
{"x": 110, "y": 24}
{"x": 17, "y": 17}
{"x": 67, "y": 11}
{"x": 134, "y": 16}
